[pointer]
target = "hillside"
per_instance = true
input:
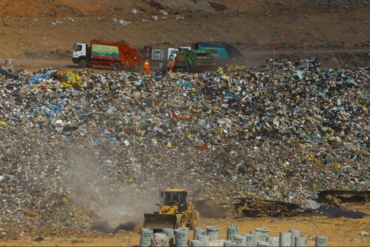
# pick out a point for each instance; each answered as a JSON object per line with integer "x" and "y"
{"x": 49, "y": 28}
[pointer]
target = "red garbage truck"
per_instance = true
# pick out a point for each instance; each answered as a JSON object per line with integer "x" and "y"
{"x": 115, "y": 55}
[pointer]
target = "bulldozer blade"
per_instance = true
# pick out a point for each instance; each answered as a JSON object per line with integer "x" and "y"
{"x": 159, "y": 221}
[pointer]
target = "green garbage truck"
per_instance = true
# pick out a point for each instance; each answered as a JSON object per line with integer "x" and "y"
{"x": 194, "y": 61}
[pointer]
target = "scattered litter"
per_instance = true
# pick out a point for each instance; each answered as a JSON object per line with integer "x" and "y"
{"x": 124, "y": 23}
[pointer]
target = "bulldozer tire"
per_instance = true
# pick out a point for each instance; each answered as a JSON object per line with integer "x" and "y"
{"x": 180, "y": 220}
{"x": 82, "y": 63}
{"x": 116, "y": 66}
{"x": 194, "y": 220}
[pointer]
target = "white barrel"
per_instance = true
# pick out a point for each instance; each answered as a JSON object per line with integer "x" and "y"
{"x": 295, "y": 233}
{"x": 256, "y": 237}
{"x": 230, "y": 243}
{"x": 321, "y": 241}
{"x": 264, "y": 233}
{"x": 199, "y": 231}
{"x": 248, "y": 239}
{"x": 169, "y": 234}
{"x": 187, "y": 232}
{"x": 239, "y": 239}
{"x": 146, "y": 237}
{"x": 213, "y": 232}
{"x": 9, "y": 64}
{"x": 231, "y": 231}
{"x": 204, "y": 239}
{"x": 196, "y": 243}
{"x": 301, "y": 241}
{"x": 285, "y": 239}
{"x": 262, "y": 244}
{"x": 273, "y": 241}
{"x": 181, "y": 237}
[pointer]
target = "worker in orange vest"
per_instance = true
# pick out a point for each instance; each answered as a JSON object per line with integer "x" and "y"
{"x": 171, "y": 65}
{"x": 147, "y": 67}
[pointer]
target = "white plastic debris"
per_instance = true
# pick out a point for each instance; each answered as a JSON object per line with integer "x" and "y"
{"x": 124, "y": 23}
{"x": 178, "y": 17}
{"x": 163, "y": 12}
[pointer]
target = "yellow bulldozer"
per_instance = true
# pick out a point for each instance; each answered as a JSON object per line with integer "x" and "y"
{"x": 175, "y": 212}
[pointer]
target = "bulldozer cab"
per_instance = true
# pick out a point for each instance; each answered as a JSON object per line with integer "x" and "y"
{"x": 175, "y": 197}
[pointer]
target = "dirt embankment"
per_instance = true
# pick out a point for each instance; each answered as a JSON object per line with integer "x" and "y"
{"x": 48, "y": 29}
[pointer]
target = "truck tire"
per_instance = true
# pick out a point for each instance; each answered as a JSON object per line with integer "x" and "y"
{"x": 116, "y": 66}
{"x": 82, "y": 63}
{"x": 194, "y": 220}
{"x": 180, "y": 220}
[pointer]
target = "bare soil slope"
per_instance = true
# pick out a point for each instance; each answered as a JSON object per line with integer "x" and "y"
{"x": 48, "y": 29}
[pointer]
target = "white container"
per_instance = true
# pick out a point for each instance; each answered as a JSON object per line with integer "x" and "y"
{"x": 146, "y": 237}
{"x": 262, "y": 244}
{"x": 264, "y": 233}
{"x": 295, "y": 233}
{"x": 181, "y": 237}
{"x": 213, "y": 232}
{"x": 198, "y": 231}
{"x": 256, "y": 237}
{"x": 204, "y": 239}
{"x": 229, "y": 243}
{"x": 301, "y": 241}
{"x": 321, "y": 241}
{"x": 273, "y": 241}
{"x": 231, "y": 231}
{"x": 196, "y": 243}
{"x": 285, "y": 239}
{"x": 240, "y": 240}
{"x": 249, "y": 239}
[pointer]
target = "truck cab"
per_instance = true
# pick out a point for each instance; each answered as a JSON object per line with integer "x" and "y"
{"x": 81, "y": 54}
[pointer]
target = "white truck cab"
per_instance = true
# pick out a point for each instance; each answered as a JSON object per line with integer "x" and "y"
{"x": 80, "y": 53}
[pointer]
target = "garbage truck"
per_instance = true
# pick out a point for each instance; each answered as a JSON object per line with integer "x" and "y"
{"x": 115, "y": 55}
{"x": 161, "y": 57}
{"x": 194, "y": 61}
{"x": 223, "y": 53}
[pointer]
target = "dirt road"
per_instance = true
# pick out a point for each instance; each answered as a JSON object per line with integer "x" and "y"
{"x": 340, "y": 232}
{"x": 253, "y": 58}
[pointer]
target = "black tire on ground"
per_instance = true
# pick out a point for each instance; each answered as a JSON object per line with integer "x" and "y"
{"x": 82, "y": 63}
{"x": 194, "y": 220}
{"x": 116, "y": 66}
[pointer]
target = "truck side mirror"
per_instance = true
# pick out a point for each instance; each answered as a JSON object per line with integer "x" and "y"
{"x": 161, "y": 194}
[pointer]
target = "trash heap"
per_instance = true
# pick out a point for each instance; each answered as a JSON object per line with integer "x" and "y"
{"x": 81, "y": 146}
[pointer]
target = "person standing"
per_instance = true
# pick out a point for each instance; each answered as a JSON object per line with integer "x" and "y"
{"x": 147, "y": 67}
{"x": 172, "y": 64}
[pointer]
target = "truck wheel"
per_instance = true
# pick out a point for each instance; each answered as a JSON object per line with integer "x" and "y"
{"x": 194, "y": 220}
{"x": 180, "y": 220}
{"x": 116, "y": 66}
{"x": 82, "y": 63}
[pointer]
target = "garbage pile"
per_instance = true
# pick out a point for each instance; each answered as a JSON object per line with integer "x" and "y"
{"x": 82, "y": 146}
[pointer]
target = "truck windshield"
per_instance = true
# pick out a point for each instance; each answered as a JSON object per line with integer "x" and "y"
{"x": 203, "y": 54}
{"x": 171, "y": 198}
{"x": 78, "y": 48}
